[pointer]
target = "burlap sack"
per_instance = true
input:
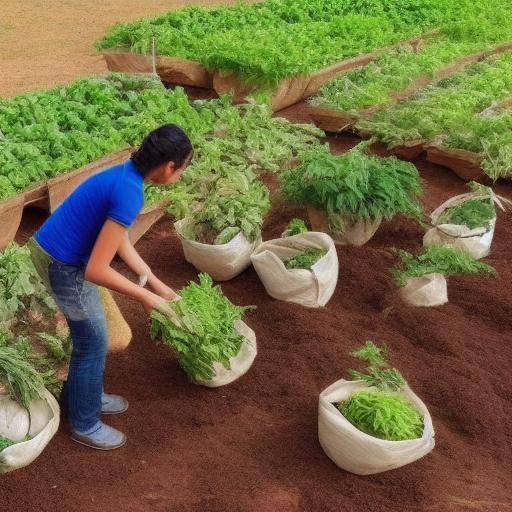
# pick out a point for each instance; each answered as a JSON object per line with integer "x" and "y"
{"x": 311, "y": 288}
{"x": 427, "y": 290}
{"x": 238, "y": 364}
{"x": 119, "y": 332}
{"x": 40, "y": 423}
{"x": 354, "y": 233}
{"x": 360, "y": 453}
{"x": 222, "y": 262}
{"x": 476, "y": 242}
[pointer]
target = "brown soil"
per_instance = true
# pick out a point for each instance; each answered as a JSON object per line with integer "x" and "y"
{"x": 252, "y": 446}
{"x": 49, "y": 42}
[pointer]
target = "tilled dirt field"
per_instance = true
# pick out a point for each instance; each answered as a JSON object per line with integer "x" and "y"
{"x": 49, "y": 42}
{"x": 252, "y": 446}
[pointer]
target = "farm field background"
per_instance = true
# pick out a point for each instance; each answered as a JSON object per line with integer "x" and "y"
{"x": 50, "y": 42}
{"x": 252, "y": 446}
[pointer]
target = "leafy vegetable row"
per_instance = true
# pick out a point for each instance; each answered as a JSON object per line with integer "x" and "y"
{"x": 457, "y": 112}
{"x": 264, "y": 42}
{"x": 397, "y": 69}
{"x": 43, "y": 134}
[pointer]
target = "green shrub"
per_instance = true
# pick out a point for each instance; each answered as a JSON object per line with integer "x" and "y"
{"x": 295, "y": 227}
{"x": 305, "y": 259}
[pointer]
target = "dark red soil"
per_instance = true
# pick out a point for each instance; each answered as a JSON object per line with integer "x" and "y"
{"x": 252, "y": 446}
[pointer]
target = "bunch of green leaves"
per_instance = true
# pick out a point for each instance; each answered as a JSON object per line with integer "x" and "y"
{"x": 267, "y": 41}
{"x": 354, "y": 184}
{"x": 295, "y": 227}
{"x": 235, "y": 203}
{"x": 437, "y": 259}
{"x": 397, "y": 69}
{"x": 383, "y": 414}
{"x": 474, "y": 212}
{"x": 21, "y": 288}
{"x": 23, "y": 381}
{"x": 202, "y": 329}
{"x": 305, "y": 259}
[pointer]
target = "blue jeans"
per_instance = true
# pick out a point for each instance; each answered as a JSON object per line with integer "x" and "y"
{"x": 79, "y": 301}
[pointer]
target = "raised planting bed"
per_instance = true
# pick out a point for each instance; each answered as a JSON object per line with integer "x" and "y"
{"x": 448, "y": 118}
{"x": 395, "y": 75}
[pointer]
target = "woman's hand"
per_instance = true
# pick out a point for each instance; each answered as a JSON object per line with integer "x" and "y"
{"x": 162, "y": 289}
{"x": 151, "y": 301}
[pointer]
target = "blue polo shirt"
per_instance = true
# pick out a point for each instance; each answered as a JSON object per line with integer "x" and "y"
{"x": 70, "y": 233}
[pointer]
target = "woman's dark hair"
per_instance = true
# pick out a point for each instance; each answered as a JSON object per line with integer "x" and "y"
{"x": 169, "y": 143}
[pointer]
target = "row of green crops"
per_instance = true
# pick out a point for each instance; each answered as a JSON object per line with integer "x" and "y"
{"x": 457, "y": 112}
{"x": 397, "y": 69}
{"x": 43, "y": 134}
{"x": 264, "y": 42}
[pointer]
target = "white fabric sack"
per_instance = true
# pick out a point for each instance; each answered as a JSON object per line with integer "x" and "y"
{"x": 239, "y": 364}
{"x": 428, "y": 290}
{"x": 357, "y": 452}
{"x": 222, "y": 262}
{"x": 16, "y": 423}
{"x": 308, "y": 287}
{"x": 476, "y": 242}
{"x": 355, "y": 233}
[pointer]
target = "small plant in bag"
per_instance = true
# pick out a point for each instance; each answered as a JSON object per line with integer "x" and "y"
{"x": 201, "y": 329}
{"x": 475, "y": 212}
{"x": 305, "y": 259}
{"x": 437, "y": 259}
{"x": 380, "y": 410}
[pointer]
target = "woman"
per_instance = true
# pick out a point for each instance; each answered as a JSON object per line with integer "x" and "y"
{"x": 73, "y": 252}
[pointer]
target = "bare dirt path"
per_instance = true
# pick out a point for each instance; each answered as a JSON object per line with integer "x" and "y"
{"x": 49, "y": 42}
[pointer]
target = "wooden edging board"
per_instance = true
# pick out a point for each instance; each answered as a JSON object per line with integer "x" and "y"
{"x": 172, "y": 70}
{"x": 337, "y": 121}
{"x": 467, "y": 165}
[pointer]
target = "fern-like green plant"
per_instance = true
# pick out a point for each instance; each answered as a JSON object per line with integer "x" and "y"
{"x": 383, "y": 414}
{"x": 437, "y": 259}
{"x": 5, "y": 443}
{"x": 355, "y": 184}
{"x": 305, "y": 259}
{"x": 380, "y": 410}
{"x": 295, "y": 227}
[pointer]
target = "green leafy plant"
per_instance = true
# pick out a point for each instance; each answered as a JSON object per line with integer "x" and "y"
{"x": 267, "y": 41}
{"x": 202, "y": 329}
{"x": 444, "y": 260}
{"x": 382, "y": 414}
{"x": 474, "y": 212}
{"x": 21, "y": 379}
{"x": 59, "y": 348}
{"x": 354, "y": 184}
{"x": 295, "y": 227}
{"x": 380, "y": 410}
{"x": 305, "y": 259}
{"x": 461, "y": 111}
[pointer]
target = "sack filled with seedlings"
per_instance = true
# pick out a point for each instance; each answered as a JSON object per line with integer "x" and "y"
{"x": 29, "y": 414}
{"x": 214, "y": 346}
{"x": 466, "y": 221}
{"x": 376, "y": 422}
{"x": 422, "y": 278}
{"x": 349, "y": 195}
{"x": 220, "y": 235}
{"x": 300, "y": 268}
